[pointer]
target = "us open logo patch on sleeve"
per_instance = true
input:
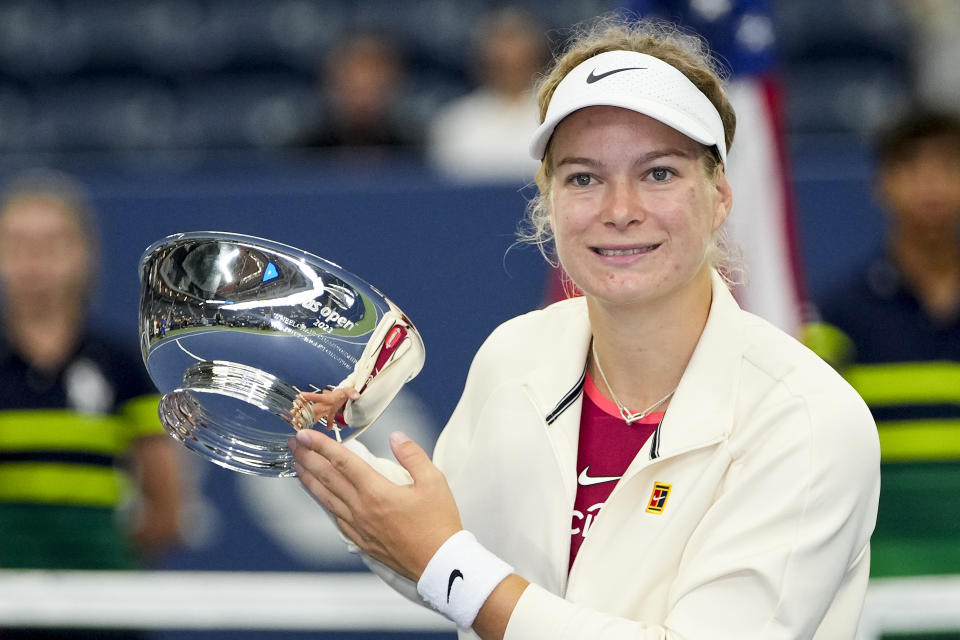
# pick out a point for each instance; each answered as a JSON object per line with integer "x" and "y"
{"x": 658, "y": 499}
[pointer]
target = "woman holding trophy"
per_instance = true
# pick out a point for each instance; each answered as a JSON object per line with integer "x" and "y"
{"x": 643, "y": 461}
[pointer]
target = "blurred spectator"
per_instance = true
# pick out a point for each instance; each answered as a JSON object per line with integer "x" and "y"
{"x": 894, "y": 332}
{"x": 484, "y": 135}
{"x": 78, "y": 422}
{"x": 360, "y": 83}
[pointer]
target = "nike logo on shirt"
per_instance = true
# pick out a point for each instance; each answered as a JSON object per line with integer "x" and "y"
{"x": 594, "y": 76}
{"x": 585, "y": 480}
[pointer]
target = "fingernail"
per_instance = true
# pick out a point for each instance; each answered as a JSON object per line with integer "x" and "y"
{"x": 399, "y": 437}
{"x": 303, "y": 437}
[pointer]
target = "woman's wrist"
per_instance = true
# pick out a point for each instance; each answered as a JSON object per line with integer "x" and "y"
{"x": 494, "y": 616}
{"x": 459, "y": 578}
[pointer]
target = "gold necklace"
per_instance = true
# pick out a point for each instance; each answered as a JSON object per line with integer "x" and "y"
{"x": 628, "y": 416}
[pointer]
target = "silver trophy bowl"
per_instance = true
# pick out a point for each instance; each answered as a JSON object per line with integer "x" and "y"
{"x": 233, "y": 327}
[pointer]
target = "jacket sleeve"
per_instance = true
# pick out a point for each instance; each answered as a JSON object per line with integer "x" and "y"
{"x": 783, "y": 546}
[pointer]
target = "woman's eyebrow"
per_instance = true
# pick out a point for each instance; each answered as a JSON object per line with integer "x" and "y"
{"x": 647, "y": 157}
{"x": 665, "y": 153}
{"x": 590, "y": 162}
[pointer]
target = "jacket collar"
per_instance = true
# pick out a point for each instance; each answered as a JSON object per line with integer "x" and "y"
{"x": 701, "y": 411}
{"x": 557, "y": 385}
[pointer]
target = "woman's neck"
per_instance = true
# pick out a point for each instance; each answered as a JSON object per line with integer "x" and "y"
{"x": 644, "y": 349}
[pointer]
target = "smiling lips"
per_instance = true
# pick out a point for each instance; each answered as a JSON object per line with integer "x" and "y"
{"x": 626, "y": 251}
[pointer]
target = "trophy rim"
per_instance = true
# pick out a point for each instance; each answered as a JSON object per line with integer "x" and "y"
{"x": 256, "y": 241}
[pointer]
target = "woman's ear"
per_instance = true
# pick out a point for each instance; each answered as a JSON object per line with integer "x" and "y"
{"x": 546, "y": 193}
{"x": 724, "y": 200}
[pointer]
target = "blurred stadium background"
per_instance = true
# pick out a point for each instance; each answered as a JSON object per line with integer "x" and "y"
{"x": 185, "y": 115}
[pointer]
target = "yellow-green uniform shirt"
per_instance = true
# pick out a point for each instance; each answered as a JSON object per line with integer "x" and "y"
{"x": 64, "y": 436}
{"x": 906, "y": 366}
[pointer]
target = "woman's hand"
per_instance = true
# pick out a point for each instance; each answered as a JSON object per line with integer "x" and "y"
{"x": 326, "y": 404}
{"x": 400, "y": 526}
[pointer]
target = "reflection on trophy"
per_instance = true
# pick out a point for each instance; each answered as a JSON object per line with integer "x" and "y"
{"x": 233, "y": 327}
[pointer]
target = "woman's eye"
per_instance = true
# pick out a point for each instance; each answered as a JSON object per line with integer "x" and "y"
{"x": 581, "y": 179}
{"x": 661, "y": 174}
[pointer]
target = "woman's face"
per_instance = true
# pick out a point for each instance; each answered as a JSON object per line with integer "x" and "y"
{"x": 632, "y": 207}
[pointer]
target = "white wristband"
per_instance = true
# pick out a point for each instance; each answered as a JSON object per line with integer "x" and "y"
{"x": 460, "y": 577}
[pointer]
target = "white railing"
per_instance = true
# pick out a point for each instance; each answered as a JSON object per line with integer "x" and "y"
{"x": 338, "y": 601}
{"x": 904, "y": 605}
{"x": 209, "y": 600}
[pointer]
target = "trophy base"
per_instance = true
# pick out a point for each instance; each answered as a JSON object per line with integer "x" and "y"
{"x": 211, "y": 414}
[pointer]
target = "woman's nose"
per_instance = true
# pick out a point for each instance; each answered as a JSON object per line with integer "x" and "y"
{"x": 623, "y": 204}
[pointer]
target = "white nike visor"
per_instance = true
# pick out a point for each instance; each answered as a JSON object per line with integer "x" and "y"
{"x": 638, "y": 82}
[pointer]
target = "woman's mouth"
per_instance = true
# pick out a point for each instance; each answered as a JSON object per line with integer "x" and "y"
{"x": 625, "y": 251}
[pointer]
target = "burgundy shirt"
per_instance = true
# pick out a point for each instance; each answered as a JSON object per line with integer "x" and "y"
{"x": 606, "y": 448}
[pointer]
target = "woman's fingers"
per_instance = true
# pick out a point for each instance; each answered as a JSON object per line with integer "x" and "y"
{"x": 400, "y": 526}
{"x": 328, "y": 473}
{"x": 357, "y": 472}
{"x": 337, "y": 478}
{"x": 330, "y": 501}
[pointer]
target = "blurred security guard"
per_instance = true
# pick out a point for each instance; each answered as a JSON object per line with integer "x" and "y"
{"x": 894, "y": 332}
{"x": 88, "y": 479}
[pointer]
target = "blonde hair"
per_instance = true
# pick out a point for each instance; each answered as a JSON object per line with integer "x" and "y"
{"x": 686, "y": 52}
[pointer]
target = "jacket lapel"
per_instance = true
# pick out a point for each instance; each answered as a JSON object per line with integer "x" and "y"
{"x": 557, "y": 388}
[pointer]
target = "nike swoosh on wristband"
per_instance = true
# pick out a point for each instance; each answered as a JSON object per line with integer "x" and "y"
{"x": 594, "y": 76}
{"x": 453, "y": 576}
{"x": 585, "y": 480}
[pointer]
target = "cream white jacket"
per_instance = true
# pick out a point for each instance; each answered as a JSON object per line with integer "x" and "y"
{"x": 773, "y": 464}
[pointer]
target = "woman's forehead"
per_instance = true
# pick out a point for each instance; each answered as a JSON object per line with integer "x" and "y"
{"x": 592, "y": 125}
